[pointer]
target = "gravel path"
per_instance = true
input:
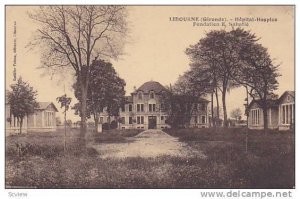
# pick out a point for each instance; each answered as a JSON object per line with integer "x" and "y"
{"x": 149, "y": 143}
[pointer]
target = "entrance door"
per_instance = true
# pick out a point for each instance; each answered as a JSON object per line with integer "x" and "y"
{"x": 151, "y": 122}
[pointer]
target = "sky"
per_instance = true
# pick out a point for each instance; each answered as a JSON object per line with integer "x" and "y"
{"x": 155, "y": 46}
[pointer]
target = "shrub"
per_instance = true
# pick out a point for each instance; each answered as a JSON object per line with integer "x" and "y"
{"x": 113, "y": 125}
{"x": 105, "y": 126}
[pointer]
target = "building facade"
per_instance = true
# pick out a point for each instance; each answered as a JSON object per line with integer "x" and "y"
{"x": 280, "y": 113}
{"x": 144, "y": 110}
{"x": 42, "y": 120}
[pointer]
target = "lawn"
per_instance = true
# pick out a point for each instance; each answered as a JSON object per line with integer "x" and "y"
{"x": 41, "y": 161}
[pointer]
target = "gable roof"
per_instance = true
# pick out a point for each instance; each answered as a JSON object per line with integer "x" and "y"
{"x": 270, "y": 103}
{"x": 273, "y": 102}
{"x": 291, "y": 93}
{"x": 45, "y": 105}
{"x": 151, "y": 86}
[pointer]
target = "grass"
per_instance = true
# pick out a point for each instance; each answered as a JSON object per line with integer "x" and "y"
{"x": 269, "y": 162}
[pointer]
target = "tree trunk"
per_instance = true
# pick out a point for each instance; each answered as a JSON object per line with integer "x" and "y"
{"x": 96, "y": 119}
{"x": 218, "y": 107}
{"x": 83, "y": 112}
{"x": 224, "y": 107}
{"x": 212, "y": 110}
{"x": 108, "y": 122}
{"x": 65, "y": 117}
{"x": 265, "y": 115}
{"x": 247, "y": 114}
{"x": 21, "y": 123}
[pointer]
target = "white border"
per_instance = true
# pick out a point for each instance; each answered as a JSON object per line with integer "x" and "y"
{"x": 128, "y": 193}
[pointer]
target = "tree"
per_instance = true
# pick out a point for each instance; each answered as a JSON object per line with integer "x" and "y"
{"x": 259, "y": 74}
{"x": 236, "y": 114}
{"x": 71, "y": 36}
{"x": 220, "y": 52}
{"x": 22, "y": 100}
{"x": 218, "y": 114}
{"x": 105, "y": 92}
{"x": 179, "y": 105}
{"x": 64, "y": 103}
{"x": 199, "y": 81}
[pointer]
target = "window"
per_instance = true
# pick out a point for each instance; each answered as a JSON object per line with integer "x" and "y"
{"x": 203, "y": 119}
{"x": 162, "y": 119}
{"x": 287, "y": 113}
{"x": 196, "y": 120}
{"x": 151, "y": 95}
{"x": 101, "y": 120}
{"x": 203, "y": 107}
{"x": 140, "y": 95}
{"x": 140, "y": 107}
{"x": 151, "y": 107}
{"x": 48, "y": 118}
{"x": 255, "y": 116}
{"x": 130, "y": 120}
{"x": 122, "y": 120}
{"x": 123, "y": 108}
{"x": 140, "y": 119}
{"x": 130, "y": 107}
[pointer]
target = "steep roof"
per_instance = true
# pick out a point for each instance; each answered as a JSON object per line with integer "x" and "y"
{"x": 128, "y": 99}
{"x": 203, "y": 100}
{"x": 45, "y": 105}
{"x": 291, "y": 93}
{"x": 274, "y": 102}
{"x": 270, "y": 103}
{"x": 151, "y": 86}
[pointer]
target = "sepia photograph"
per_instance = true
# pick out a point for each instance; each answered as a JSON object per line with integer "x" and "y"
{"x": 149, "y": 97}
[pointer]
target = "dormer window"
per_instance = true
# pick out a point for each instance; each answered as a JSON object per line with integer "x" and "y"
{"x": 140, "y": 95}
{"x": 288, "y": 98}
{"x": 203, "y": 108}
{"x": 152, "y": 95}
{"x": 130, "y": 107}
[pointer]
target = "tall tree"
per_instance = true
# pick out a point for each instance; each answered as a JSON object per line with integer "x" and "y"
{"x": 22, "y": 100}
{"x": 72, "y": 36}
{"x": 259, "y": 74}
{"x": 219, "y": 51}
{"x": 180, "y": 102}
{"x": 202, "y": 80}
{"x": 105, "y": 92}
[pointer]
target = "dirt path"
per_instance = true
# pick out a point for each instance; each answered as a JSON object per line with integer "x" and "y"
{"x": 149, "y": 143}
